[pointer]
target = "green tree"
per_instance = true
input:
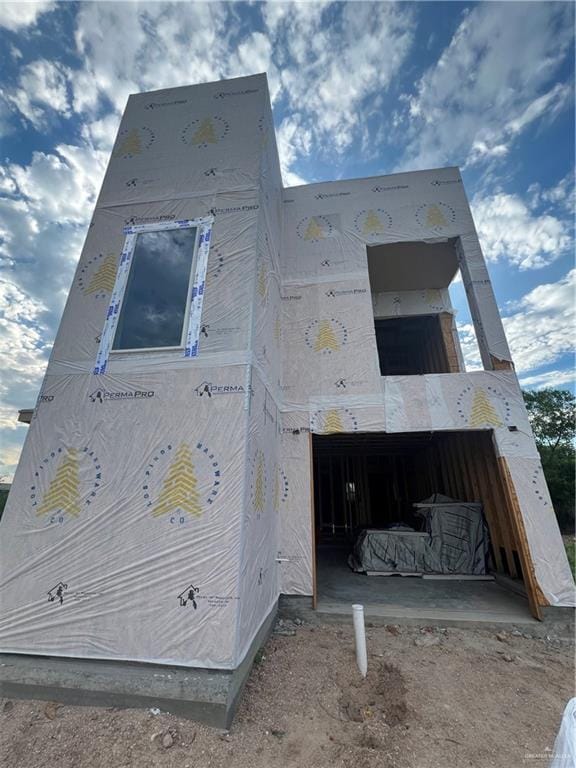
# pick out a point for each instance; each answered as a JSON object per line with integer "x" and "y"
{"x": 552, "y": 414}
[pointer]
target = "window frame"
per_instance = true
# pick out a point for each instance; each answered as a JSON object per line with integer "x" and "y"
{"x": 187, "y": 307}
{"x": 190, "y": 336}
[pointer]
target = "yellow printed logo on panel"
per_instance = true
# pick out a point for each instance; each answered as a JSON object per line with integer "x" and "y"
{"x": 315, "y": 228}
{"x": 436, "y": 216}
{"x": 205, "y": 134}
{"x": 334, "y": 421}
{"x": 313, "y": 231}
{"x": 326, "y": 336}
{"x": 483, "y": 412}
{"x": 372, "y": 222}
{"x": 63, "y": 491}
{"x": 131, "y": 144}
{"x": 180, "y": 482}
{"x": 481, "y": 408}
{"x": 205, "y": 131}
{"x": 134, "y": 141}
{"x": 179, "y": 491}
{"x": 65, "y": 482}
{"x": 262, "y": 282}
{"x": 258, "y": 483}
{"x": 98, "y": 275}
{"x": 104, "y": 278}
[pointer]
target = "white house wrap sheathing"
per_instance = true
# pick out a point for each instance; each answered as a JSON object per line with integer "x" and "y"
{"x": 159, "y": 508}
{"x": 330, "y": 361}
{"x": 143, "y": 502}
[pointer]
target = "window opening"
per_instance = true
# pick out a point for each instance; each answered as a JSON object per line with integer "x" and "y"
{"x": 156, "y": 303}
{"x": 156, "y": 298}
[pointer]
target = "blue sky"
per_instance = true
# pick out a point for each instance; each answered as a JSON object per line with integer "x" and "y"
{"x": 358, "y": 89}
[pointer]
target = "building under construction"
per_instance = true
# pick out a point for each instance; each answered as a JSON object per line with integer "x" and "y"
{"x": 255, "y": 391}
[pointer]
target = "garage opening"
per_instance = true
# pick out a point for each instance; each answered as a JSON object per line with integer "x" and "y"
{"x": 373, "y": 489}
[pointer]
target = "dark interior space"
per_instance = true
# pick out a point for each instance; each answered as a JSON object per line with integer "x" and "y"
{"x": 411, "y": 345}
{"x": 367, "y": 483}
{"x": 372, "y": 480}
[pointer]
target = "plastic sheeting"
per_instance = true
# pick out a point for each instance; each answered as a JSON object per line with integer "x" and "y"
{"x": 159, "y": 509}
{"x": 455, "y": 541}
{"x": 330, "y": 361}
{"x": 141, "y": 520}
{"x": 564, "y": 751}
{"x": 129, "y": 495}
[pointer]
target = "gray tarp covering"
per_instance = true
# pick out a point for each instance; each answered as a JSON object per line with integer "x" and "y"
{"x": 455, "y": 540}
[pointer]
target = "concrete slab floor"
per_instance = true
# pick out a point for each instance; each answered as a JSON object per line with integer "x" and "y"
{"x": 414, "y": 598}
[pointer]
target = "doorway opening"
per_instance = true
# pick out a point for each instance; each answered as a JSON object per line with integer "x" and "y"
{"x": 373, "y": 482}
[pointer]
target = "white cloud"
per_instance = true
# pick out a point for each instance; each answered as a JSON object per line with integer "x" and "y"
{"x": 561, "y": 194}
{"x": 16, "y": 16}
{"x": 469, "y": 345}
{"x": 327, "y": 71}
{"x": 42, "y": 87}
{"x": 481, "y": 151}
{"x": 41, "y": 234}
{"x": 7, "y": 183}
{"x": 540, "y": 329}
{"x": 553, "y": 379}
{"x": 21, "y": 338}
{"x": 101, "y": 134}
{"x": 549, "y": 103}
{"x": 254, "y": 55}
{"x": 41, "y": 229}
{"x": 61, "y": 186}
{"x": 293, "y": 141}
{"x": 130, "y": 47}
{"x": 22, "y": 342}
{"x": 489, "y": 84}
{"x": 322, "y": 71}
{"x": 509, "y": 229}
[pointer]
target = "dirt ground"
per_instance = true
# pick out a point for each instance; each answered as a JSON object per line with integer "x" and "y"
{"x": 432, "y": 699}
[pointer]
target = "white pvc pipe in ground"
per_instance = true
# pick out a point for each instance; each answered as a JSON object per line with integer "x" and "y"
{"x": 360, "y": 636}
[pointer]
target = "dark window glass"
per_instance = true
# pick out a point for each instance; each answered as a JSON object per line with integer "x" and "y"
{"x": 155, "y": 299}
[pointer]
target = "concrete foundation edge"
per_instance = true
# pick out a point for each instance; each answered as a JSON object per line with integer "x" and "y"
{"x": 560, "y": 622}
{"x": 205, "y": 695}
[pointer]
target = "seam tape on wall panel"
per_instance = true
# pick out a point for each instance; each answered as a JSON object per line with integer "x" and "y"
{"x": 193, "y": 335}
{"x": 115, "y": 303}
